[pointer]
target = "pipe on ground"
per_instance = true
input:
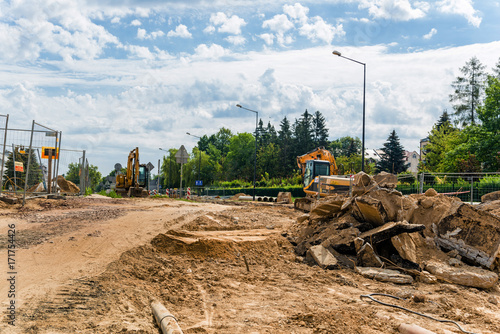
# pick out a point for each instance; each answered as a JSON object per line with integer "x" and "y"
{"x": 165, "y": 320}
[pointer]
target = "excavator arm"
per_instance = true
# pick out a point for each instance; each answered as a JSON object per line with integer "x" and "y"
{"x": 319, "y": 153}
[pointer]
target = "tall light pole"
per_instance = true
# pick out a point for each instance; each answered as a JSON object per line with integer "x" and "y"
{"x": 255, "y": 153}
{"x": 199, "y": 161}
{"x": 364, "y": 93}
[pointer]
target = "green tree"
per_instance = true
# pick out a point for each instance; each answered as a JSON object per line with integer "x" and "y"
{"x": 285, "y": 141}
{"x": 73, "y": 175}
{"x": 268, "y": 158}
{"x": 444, "y": 120}
{"x": 319, "y": 130}
{"x": 393, "y": 159}
{"x": 20, "y": 154}
{"x": 496, "y": 69}
{"x": 302, "y": 130}
{"x": 441, "y": 140}
{"x": 489, "y": 143}
{"x": 171, "y": 170}
{"x": 468, "y": 90}
{"x": 240, "y": 158}
{"x": 345, "y": 146}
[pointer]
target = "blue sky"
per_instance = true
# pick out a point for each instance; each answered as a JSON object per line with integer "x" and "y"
{"x": 113, "y": 75}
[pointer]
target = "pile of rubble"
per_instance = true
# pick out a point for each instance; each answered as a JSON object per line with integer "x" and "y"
{"x": 390, "y": 237}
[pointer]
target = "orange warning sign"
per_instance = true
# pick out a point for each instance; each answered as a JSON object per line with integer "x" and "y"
{"x": 46, "y": 151}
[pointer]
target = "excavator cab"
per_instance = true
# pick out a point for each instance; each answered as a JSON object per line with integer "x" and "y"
{"x": 313, "y": 169}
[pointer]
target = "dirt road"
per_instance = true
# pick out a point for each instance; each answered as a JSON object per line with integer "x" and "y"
{"x": 93, "y": 265}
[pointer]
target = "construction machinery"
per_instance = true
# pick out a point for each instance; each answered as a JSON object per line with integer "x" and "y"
{"x": 135, "y": 180}
{"x": 320, "y": 174}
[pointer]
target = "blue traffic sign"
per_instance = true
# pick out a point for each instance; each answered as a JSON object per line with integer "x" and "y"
{"x": 198, "y": 183}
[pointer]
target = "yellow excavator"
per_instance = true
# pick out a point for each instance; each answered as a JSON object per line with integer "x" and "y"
{"x": 316, "y": 163}
{"x": 135, "y": 180}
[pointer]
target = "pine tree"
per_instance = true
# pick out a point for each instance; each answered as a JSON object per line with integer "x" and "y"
{"x": 320, "y": 132}
{"x": 393, "y": 159}
{"x": 468, "y": 90}
{"x": 443, "y": 120}
{"x": 302, "y": 130}
{"x": 286, "y": 144}
{"x": 20, "y": 154}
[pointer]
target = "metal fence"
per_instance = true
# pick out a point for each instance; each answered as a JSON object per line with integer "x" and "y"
{"x": 32, "y": 159}
{"x": 469, "y": 187}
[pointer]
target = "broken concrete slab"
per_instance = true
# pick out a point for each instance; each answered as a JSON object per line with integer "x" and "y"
{"x": 391, "y": 201}
{"x": 9, "y": 200}
{"x": 386, "y": 180}
{"x": 464, "y": 275}
{"x": 384, "y": 275}
{"x": 363, "y": 183}
{"x": 322, "y": 257}
{"x": 493, "y": 196}
{"x": 474, "y": 233}
{"x": 366, "y": 257}
{"x": 284, "y": 197}
{"x": 406, "y": 246}
{"x": 387, "y": 231}
{"x": 370, "y": 210}
{"x": 326, "y": 209}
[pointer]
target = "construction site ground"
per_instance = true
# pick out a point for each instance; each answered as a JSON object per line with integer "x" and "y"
{"x": 94, "y": 264}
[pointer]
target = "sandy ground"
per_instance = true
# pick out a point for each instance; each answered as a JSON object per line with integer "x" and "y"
{"x": 93, "y": 265}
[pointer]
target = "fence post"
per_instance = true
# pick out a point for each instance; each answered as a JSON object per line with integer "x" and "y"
{"x": 3, "y": 153}
{"x": 29, "y": 162}
{"x": 82, "y": 175}
{"x": 471, "y": 190}
{"x": 421, "y": 190}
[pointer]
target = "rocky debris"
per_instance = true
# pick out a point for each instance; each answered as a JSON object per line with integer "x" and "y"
{"x": 492, "y": 207}
{"x": 379, "y": 227}
{"x": 322, "y": 257}
{"x": 284, "y": 197}
{"x": 9, "y": 200}
{"x": 463, "y": 275}
{"x": 494, "y": 196}
{"x": 67, "y": 186}
{"x": 386, "y": 180}
{"x": 384, "y": 275}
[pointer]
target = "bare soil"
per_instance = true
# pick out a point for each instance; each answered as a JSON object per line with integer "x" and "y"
{"x": 93, "y": 265}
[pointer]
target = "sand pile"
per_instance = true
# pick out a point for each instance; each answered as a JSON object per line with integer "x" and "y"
{"x": 67, "y": 186}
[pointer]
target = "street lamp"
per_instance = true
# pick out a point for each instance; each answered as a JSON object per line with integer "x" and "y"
{"x": 364, "y": 91}
{"x": 255, "y": 153}
{"x": 199, "y": 161}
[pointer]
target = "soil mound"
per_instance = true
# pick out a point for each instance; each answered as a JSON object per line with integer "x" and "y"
{"x": 237, "y": 196}
{"x": 67, "y": 186}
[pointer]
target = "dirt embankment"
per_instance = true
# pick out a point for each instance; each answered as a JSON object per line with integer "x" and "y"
{"x": 219, "y": 269}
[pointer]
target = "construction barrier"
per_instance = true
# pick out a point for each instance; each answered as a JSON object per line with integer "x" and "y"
{"x": 189, "y": 193}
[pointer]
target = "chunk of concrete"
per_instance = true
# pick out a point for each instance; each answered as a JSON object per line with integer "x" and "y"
{"x": 366, "y": 257}
{"x": 389, "y": 230}
{"x": 322, "y": 257}
{"x": 9, "y": 200}
{"x": 325, "y": 209}
{"x": 363, "y": 183}
{"x": 391, "y": 201}
{"x": 431, "y": 192}
{"x": 386, "y": 180}
{"x": 284, "y": 197}
{"x": 464, "y": 275}
{"x": 474, "y": 233}
{"x": 493, "y": 196}
{"x": 384, "y": 275}
{"x": 370, "y": 210}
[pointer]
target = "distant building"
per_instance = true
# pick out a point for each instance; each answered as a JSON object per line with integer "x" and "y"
{"x": 412, "y": 159}
{"x": 372, "y": 155}
{"x": 423, "y": 143}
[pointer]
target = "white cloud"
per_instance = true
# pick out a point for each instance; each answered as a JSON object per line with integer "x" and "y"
{"x": 231, "y": 25}
{"x": 268, "y": 38}
{"x": 209, "y": 30}
{"x": 115, "y": 20}
{"x": 397, "y": 10}
{"x": 213, "y": 51}
{"x": 280, "y": 24}
{"x": 464, "y": 8}
{"x": 236, "y": 40}
{"x": 430, "y": 34}
{"x": 180, "y": 31}
{"x": 141, "y": 33}
{"x": 297, "y": 12}
{"x": 320, "y": 30}
{"x": 135, "y": 23}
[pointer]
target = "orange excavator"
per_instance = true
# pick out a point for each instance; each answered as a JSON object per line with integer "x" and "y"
{"x": 135, "y": 179}
{"x": 319, "y": 162}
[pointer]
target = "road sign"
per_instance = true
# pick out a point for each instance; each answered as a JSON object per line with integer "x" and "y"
{"x": 198, "y": 183}
{"x": 182, "y": 155}
{"x": 150, "y": 166}
{"x": 46, "y": 150}
{"x": 19, "y": 167}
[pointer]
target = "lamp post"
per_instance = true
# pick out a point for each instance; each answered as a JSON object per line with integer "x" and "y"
{"x": 199, "y": 160}
{"x": 169, "y": 173}
{"x": 255, "y": 152}
{"x": 364, "y": 91}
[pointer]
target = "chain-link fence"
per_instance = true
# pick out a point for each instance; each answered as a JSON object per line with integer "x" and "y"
{"x": 469, "y": 187}
{"x": 32, "y": 161}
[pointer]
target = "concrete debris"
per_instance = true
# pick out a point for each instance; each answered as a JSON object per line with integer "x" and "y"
{"x": 494, "y": 196}
{"x": 378, "y": 227}
{"x": 384, "y": 275}
{"x": 366, "y": 257}
{"x": 463, "y": 275}
{"x": 322, "y": 257}
{"x": 284, "y": 197}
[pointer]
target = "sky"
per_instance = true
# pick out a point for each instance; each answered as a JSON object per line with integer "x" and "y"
{"x": 115, "y": 75}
